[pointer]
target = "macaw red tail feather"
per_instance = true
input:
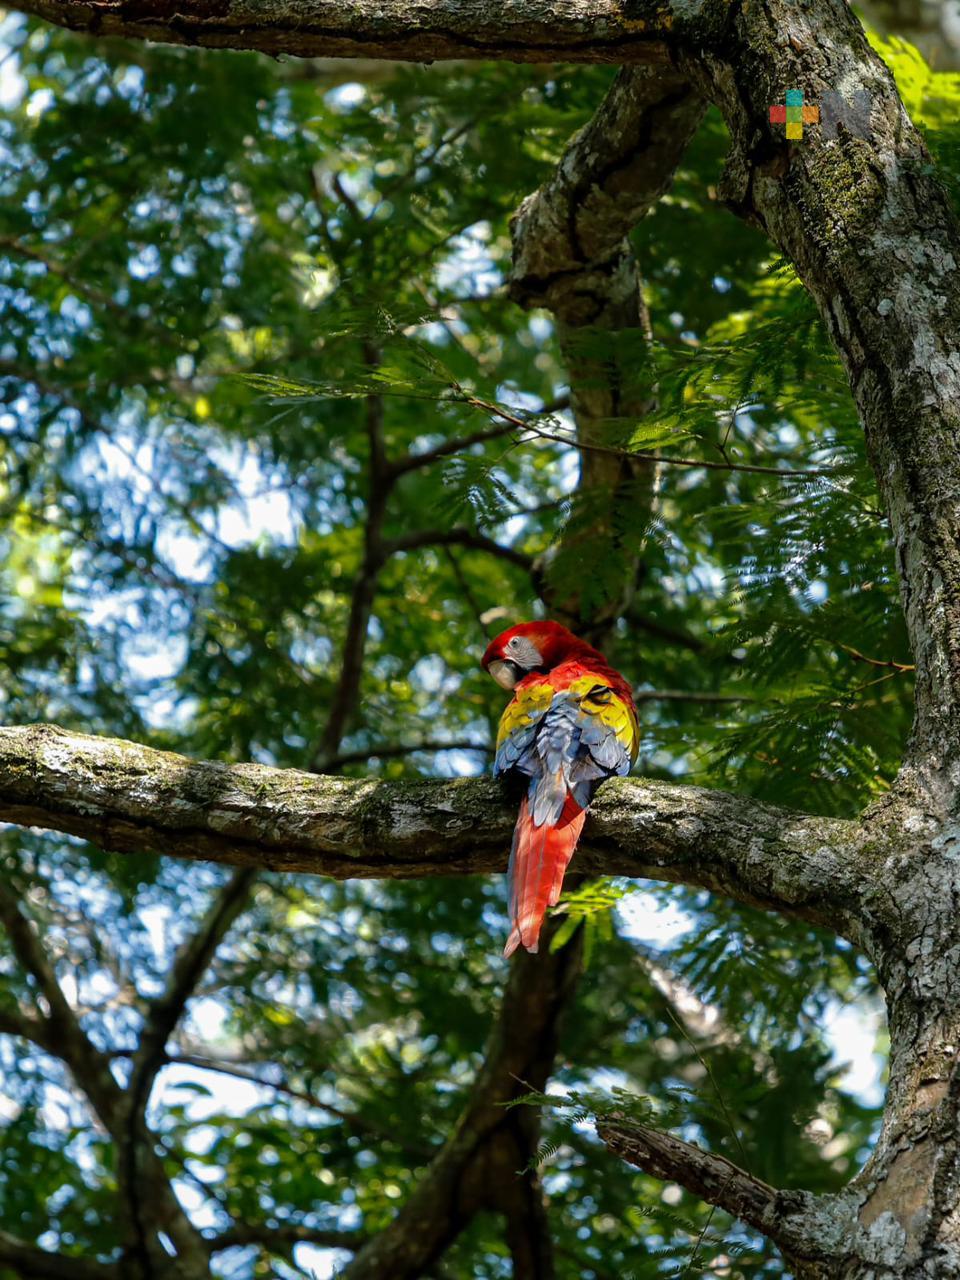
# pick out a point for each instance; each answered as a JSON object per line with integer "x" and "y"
{"x": 538, "y": 861}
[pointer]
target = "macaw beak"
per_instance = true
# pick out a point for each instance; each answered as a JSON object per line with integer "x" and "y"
{"x": 505, "y": 673}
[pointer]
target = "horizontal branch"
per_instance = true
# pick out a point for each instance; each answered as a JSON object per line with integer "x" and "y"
{"x": 31, "y": 1263}
{"x": 281, "y": 1238}
{"x": 128, "y": 798}
{"x": 890, "y": 663}
{"x": 35, "y": 1030}
{"x": 409, "y": 30}
{"x": 791, "y": 1219}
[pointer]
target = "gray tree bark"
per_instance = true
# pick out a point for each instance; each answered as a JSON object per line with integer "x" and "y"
{"x": 127, "y": 797}
{"x": 408, "y": 30}
{"x": 873, "y": 238}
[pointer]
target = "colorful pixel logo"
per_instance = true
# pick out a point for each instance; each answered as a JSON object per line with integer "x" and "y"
{"x": 850, "y": 111}
{"x": 794, "y": 114}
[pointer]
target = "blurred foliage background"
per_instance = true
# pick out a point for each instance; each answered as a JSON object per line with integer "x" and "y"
{"x": 180, "y": 551}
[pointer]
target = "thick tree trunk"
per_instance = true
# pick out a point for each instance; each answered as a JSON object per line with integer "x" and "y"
{"x": 873, "y": 237}
{"x": 909, "y": 1218}
{"x": 875, "y": 241}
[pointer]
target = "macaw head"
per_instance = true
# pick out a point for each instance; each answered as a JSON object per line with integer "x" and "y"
{"x": 529, "y": 646}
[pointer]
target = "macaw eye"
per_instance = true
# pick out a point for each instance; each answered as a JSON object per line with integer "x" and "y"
{"x": 522, "y": 651}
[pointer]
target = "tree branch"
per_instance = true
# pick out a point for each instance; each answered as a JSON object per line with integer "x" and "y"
{"x": 529, "y": 424}
{"x": 127, "y": 797}
{"x": 380, "y": 482}
{"x": 36, "y": 1030}
{"x": 414, "y": 461}
{"x": 793, "y": 1220}
{"x": 282, "y": 1237}
{"x": 477, "y": 1165}
{"x": 62, "y": 1032}
{"x": 459, "y": 538}
{"x": 148, "y": 1193}
{"x": 191, "y": 962}
{"x": 570, "y": 252}
{"x": 890, "y": 663}
{"x": 31, "y": 1263}
{"x": 524, "y": 31}
{"x": 860, "y": 211}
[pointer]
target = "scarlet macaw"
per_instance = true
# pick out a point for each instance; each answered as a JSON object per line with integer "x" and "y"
{"x": 570, "y": 724}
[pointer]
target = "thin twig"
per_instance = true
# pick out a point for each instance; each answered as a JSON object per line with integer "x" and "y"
{"x": 524, "y": 424}
{"x": 716, "y": 1088}
{"x": 698, "y": 1244}
{"x": 877, "y": 662}
{"x": 459, "y": 538}
{"x": 413, "y": 461}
